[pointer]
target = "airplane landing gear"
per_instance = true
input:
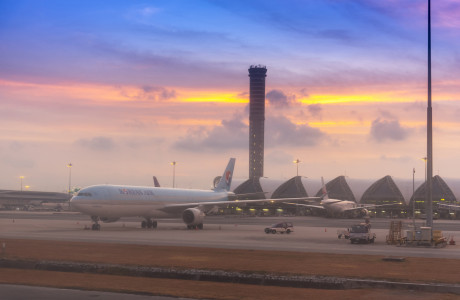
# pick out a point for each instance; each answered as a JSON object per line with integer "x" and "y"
{"x": 199, "y": 226}
{"x": 96, "y": 225}
{"x": 148, "y": 223}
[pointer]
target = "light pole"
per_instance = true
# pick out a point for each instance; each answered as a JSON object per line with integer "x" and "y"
{"x": 424, "y": 159}
{"x": 21, "y": 177}
{"x": 174, "y": 172}
{"x": 413, "y": 196}
{"x": 69, "y": 165}
{"x": 429, "y": 135}
{"x": 426, "y": 185}
{"x": 297, "y": 161}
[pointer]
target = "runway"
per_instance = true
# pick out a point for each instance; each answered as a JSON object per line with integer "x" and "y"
{"x": 312, "y": 234}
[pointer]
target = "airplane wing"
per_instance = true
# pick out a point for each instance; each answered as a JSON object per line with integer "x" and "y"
{"x": 378, "y": 205}
{"x": 355, "y": 208}
{"x": 369, "y": 206}
{"x": 205, "y": 206}
{"x": 319, "y": 207}
{"x": 449, "y": 206}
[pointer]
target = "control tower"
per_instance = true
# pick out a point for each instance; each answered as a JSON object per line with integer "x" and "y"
{"x": 257, "y": 76}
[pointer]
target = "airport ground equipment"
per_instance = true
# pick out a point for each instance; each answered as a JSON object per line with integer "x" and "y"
{"x": 395, "y": 234}
{"x": 343, "y": 233}
{"x": 425, "y": 236}
{"x": 361, "y": 233}
{"x": 282, "y": 227}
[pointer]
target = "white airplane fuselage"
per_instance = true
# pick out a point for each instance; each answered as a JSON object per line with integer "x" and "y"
{"x": 116, "y": 201}
{"x": 338, "y": 207}
{"x": 342, "y": 208}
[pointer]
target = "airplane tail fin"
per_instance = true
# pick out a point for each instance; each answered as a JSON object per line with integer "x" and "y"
{"x": 155, "y": 182}
{"x": 324, "y": 190}
{"x": 226, "y": 179}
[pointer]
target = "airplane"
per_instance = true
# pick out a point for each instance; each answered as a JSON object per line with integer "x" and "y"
{"x": 108, "y": 203}
{"x": 450, "y": 207}
{"x": 340, "y": 208}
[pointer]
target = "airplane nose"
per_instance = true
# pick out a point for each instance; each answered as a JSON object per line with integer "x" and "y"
{"x": 73, "y": 203}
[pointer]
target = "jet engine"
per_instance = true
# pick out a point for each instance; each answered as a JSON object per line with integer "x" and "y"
{"x": 193, "y": 217}
{"x": 363, "y": 213}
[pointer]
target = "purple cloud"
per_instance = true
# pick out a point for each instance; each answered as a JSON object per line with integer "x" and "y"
{"x": 234, "y": 134}
{"x": 231, "y": 134}
{"x": 279, "y": 99}
{"x": 315, "y": 109}
{"x": 382, "y": 130}
{"x": 281, "y": 131}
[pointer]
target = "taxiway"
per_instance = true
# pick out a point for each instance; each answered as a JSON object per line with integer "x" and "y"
{"x": 312, "y": 234}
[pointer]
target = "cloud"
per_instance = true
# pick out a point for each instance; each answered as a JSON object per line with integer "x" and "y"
{"x": 231, "y": 134}
{"x": 304, "y": 93}
{"x": 99, "y": 60}
{"x": 315, "y": 109}
{"x": 280, "y": 131}
{"x": 382, "y": 130}
{"x": 99, "y": 143}
{"x": 159, "y": 92}
{"x": 279, "y": 99}
{"x": 386, "y": 114}
{"x": 234, "y": 134}
{"x": 148, "y": 92}
{"x": 243, "y": 95}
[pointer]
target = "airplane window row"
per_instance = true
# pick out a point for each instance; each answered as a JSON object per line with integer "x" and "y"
{"x": 84, "y": 194}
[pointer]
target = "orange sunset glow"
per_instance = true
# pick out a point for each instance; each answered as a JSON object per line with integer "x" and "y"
{"x": 121, "y": 95}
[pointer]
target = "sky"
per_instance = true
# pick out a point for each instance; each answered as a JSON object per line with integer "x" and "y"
{"x": 120, "y": 89}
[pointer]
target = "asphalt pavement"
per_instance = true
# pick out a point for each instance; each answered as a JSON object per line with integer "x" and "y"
{"x": 311, "y": 234}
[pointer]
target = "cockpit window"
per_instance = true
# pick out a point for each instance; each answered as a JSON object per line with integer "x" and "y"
{"x": 84, "y": 194}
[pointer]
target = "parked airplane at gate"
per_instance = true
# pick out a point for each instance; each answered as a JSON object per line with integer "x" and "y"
{"x": 108, "y": 203}
{"x": 450, "y": 207}
{"x": 340, "y": 208}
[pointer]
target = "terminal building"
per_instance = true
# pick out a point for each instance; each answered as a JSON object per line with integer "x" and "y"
{"x": 441, "y": 194}
{"x": 338, "y": 188}
{"x": 385, "y": 192}
{"x": 24, "y": 200}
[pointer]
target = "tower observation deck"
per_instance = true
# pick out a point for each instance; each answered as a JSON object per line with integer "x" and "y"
{"x": 257, "y": 74}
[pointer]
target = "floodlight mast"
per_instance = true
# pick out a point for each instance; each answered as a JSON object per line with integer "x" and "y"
{"x": 429, "y": 135}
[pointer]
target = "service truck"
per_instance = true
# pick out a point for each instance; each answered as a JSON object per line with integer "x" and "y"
{"x": 361, "y": 233}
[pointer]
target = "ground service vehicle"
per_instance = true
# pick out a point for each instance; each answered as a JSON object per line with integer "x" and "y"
{"x": 361, "y": 233}
{"x": 281, "y": 227}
